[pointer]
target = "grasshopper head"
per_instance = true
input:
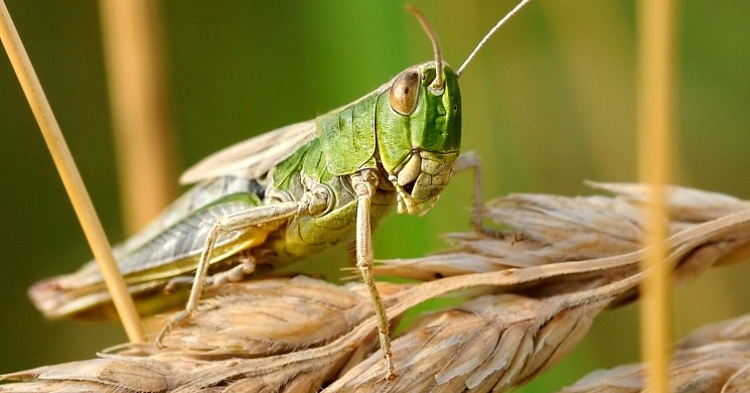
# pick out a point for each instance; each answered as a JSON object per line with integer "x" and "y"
{"x": 419, "y": 133}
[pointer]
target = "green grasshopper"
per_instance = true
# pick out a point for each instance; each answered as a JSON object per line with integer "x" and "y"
{"x": 290, "y": 193}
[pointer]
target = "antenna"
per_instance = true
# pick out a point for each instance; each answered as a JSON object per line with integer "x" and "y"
{"x": 487, "y": 37}
{"x": 437, "y": 87}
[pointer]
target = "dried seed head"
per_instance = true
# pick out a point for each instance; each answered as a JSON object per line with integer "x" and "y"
{"x": 529, "y": 308}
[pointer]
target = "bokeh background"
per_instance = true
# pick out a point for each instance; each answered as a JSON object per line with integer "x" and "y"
{"x": 548, "y": 104}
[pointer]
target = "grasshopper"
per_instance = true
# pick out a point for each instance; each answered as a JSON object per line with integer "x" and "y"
{"x": 290, "y": 193}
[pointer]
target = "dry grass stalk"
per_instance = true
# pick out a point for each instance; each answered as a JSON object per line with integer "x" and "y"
{"x": 655, "y": 105}
{"x": 144, "y": 143}
{"x": 69, "y": 175}
{"x": 533, "y": 294}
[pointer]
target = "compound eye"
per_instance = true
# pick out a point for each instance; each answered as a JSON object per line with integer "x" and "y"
{"x": 405, "y": 93}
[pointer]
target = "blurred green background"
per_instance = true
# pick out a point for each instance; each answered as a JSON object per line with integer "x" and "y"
{"x": 547, "y": 104}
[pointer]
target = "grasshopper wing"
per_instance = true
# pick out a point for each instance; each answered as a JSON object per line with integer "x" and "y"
{"x": 254, "y": 157}
{"x": 167, "y": 249}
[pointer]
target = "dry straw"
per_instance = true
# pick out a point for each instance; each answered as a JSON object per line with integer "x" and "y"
{"x": 655, "y": 90}
{"x": 140, "y": 110}
{"x": 69, "y": 174}
{"x": 531, "y": 296}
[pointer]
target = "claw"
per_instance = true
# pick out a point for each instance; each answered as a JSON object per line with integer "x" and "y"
{"x": 176, "y": 320}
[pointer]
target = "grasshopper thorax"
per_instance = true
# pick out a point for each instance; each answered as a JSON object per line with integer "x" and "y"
{"x": 419, "y": 133}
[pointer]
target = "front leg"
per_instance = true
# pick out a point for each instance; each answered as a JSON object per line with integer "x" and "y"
{"x": 470, "y": 160}
{"x": 365, "y": 183}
